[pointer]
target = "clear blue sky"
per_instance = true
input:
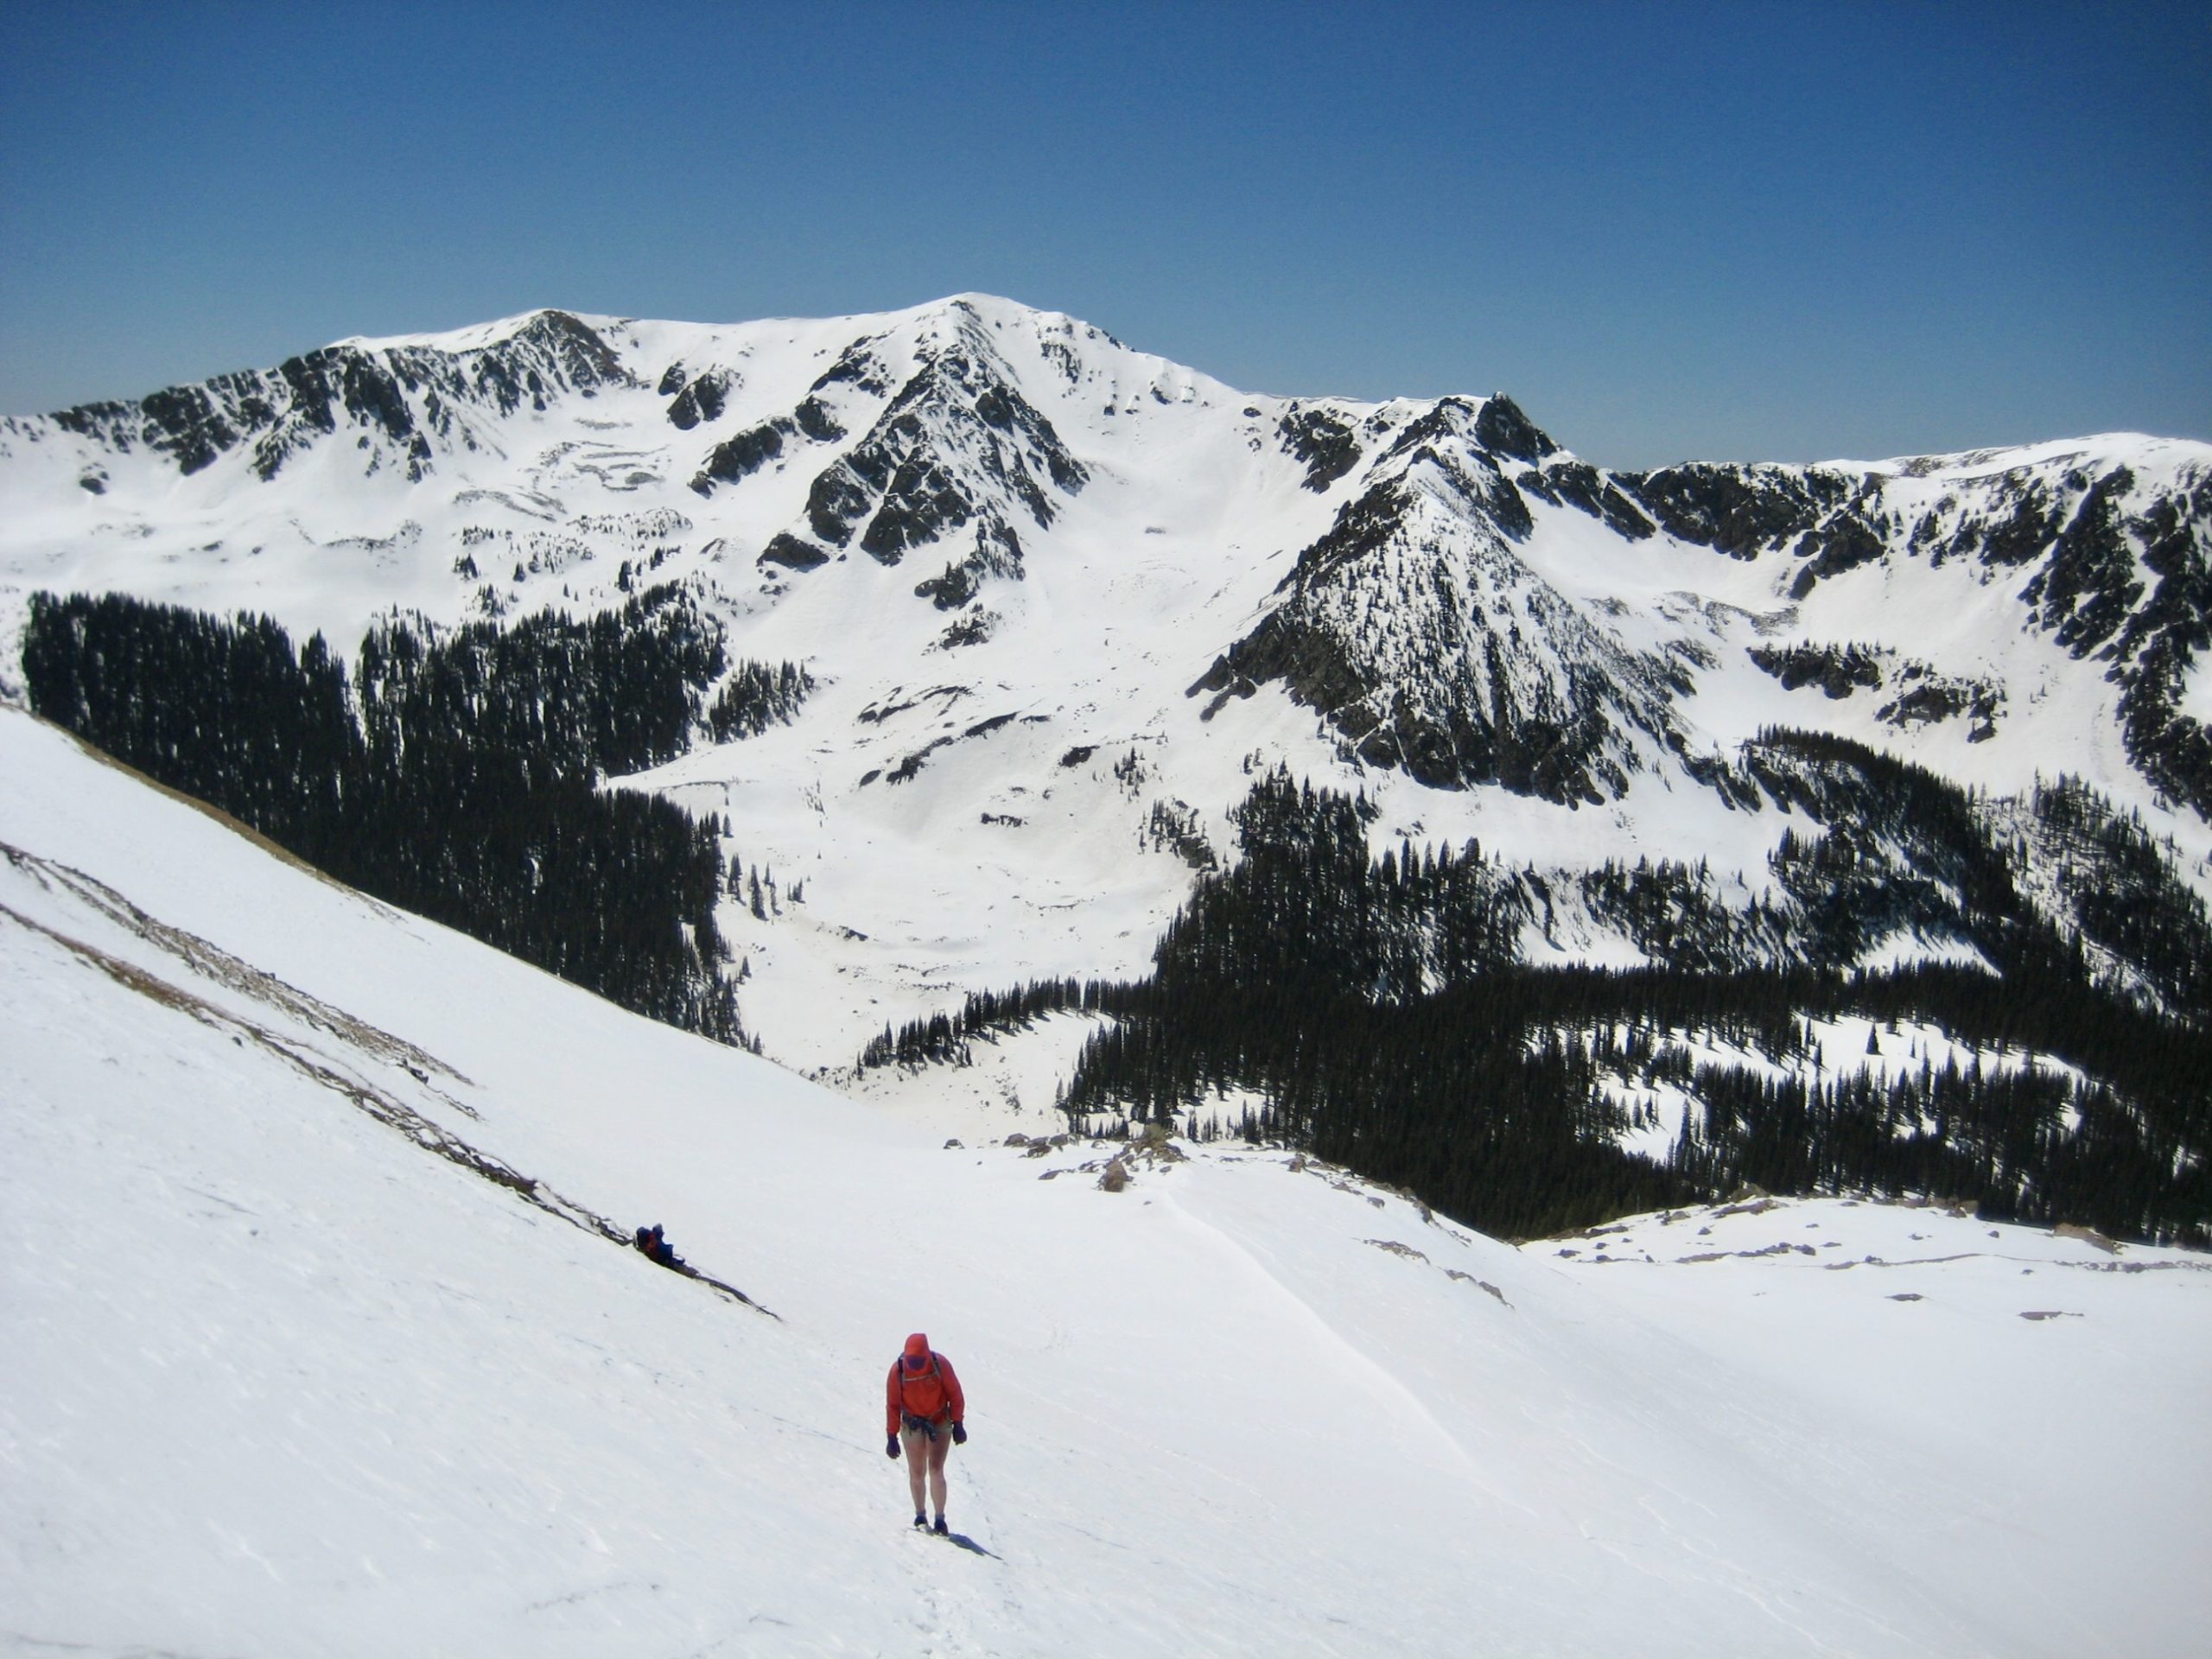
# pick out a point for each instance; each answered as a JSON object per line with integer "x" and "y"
{"x": 1670, "y": 230}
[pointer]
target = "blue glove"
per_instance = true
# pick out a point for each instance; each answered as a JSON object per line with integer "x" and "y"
{"x": 960, "y": 1433}
{"x": 890, "y": 1447}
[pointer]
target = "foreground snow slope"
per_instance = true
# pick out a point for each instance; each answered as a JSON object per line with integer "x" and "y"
{"x": 281, "y": 1380}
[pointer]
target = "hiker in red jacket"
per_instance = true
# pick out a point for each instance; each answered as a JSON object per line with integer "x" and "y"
{"x": 924, "y": 1407}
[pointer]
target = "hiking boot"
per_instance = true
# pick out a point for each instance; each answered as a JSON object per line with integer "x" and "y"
{"x": 940, "y": 1528}
{"x": 921, "y": 1521}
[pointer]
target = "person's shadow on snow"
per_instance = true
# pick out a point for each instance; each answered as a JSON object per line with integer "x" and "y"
{"x": 968, "y": 1544}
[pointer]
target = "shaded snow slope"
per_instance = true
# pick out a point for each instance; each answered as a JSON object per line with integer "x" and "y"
{"x": 283, "y": 1379}
{"x": 1053, "y": 591}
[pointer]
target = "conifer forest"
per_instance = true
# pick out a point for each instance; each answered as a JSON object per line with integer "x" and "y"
{"x": 1376, "y": 1014}
{"x": 457, "y": 773}
{"x": 1378, "y": 1011}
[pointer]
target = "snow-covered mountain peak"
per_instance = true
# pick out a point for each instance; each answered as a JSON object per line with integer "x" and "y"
{"x": 2106, "y": 448}
{"x": 473, "y": 337}
{"x": 993, "y": 537}
{"x": 401, "y": 402}
{"x": 1417, "y": 628}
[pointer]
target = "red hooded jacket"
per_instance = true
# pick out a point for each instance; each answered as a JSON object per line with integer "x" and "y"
{"x": 930, "y": 1393}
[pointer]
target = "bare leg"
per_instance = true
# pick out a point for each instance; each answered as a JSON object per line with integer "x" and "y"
{"x": 912, "y": 1444}
{"x": 939, "y": 1449}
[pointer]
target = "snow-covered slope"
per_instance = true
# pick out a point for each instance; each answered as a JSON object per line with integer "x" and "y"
{"x": 314, "y": 1346}
{"x": 1055, "y": 594}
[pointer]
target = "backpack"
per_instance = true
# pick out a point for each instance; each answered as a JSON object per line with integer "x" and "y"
{"x": 937, "y": 1400}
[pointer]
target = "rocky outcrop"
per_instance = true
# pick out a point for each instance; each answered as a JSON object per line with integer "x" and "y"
{"x": 701, "y": 399}
{"x": 1323, "y": 439}
{"x": 738, "y": 458}
{"x": 792, "y": 553}
{"x": 2112, "y": 571}
{"x": 1415, "y": 628}
{"x": 958, "y": 445}
{"x": 407, "y": 401}
{"x": 997, "y": 552}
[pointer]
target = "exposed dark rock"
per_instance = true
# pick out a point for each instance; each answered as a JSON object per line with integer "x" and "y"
{"x": 1578, "y": 484}
{"x": 2037, "y": 513}
{"x": 908, "y": 769}
{"x": 997, "y": 553}
{"x": 1842, "y": 543}
{"x": 1934, "y": 700}
{"x": 1532, "y": 482}
{"x": 2086, "y": 556}
{"x": 1501, "y": 427}
{"x": 2087, "y": 586}
{"x": 1325, "y": 441}
{"x": 1361, "y": 525}
{"x": 970, "y": 630}
{"x": 702, "y": 400}
{"x": 922, "y": 502}
{"x": 950, "y": 590}
{"x": 1739, "y": 510}
{"x": 856, "y": 366}
{"x": 285, "y": 409}
{"x": 184, "y": 422}
{"x": 817, "y": 421}
{"x": 741, "y": 457}
{"x": 671, "y": 380}
{"x": 2161, "y": 642}
{"x": 1417, "y": 632}
{"x": 792, "y": 553}
{"x": 1924, "y": 695}
{"x": 1504, "y": 504}
{"x": 551, "y": 352}
{"x": 837, "y": 498}
{"x": 1451, "y": 419}
{"x": 956, "y": 441}
{"x": 1229, "y": 685}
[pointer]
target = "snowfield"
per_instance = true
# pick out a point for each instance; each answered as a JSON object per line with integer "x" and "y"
{"x": 964, "y": 797}
{"x": 288, "y": 1372}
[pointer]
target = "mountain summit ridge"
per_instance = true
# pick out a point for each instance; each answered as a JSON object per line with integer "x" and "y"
{"x": 1052, "y": 594}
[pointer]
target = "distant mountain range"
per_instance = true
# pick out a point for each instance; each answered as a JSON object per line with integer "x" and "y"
{"x": 999, "y": 628}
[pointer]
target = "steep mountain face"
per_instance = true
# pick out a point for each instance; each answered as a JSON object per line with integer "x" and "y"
{"x": 1415, "y": 627}
{"x": 2111, "y": 566}
{"x": 400, "y": 405}
{"x": 957, "y": 454}
{"x": 1035, "y": 611}
{"x": 956, "y": 450}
